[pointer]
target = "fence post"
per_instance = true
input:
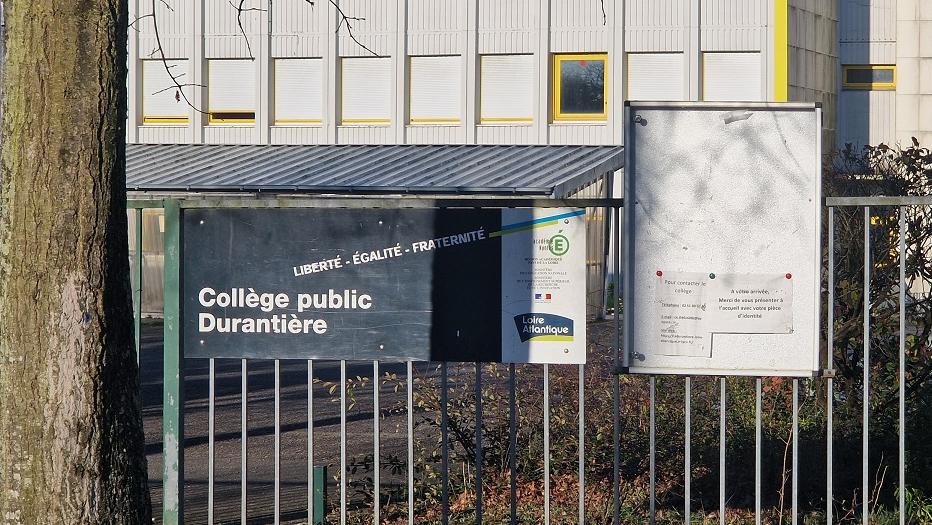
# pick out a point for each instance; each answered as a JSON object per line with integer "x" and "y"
{"x": 173, "y": 379}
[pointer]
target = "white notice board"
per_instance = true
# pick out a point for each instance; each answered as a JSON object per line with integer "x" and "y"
{"x": 722, "y": 238}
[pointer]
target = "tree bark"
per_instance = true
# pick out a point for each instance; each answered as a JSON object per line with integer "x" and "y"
{"x": 71, "y": 441}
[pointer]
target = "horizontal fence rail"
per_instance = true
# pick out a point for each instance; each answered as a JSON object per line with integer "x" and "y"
{"x": 315, "y": 441}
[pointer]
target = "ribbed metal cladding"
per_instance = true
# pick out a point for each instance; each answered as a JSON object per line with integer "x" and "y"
{"x": 376, "y": 169}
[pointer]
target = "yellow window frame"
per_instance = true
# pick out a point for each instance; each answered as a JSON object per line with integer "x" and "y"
{"x": 558, "y": 114}
{"x": 164, "y": 120}
{"x": 299, "y": 121}
{"x": 868, "y": 85}
{"x": 231, "y": 117}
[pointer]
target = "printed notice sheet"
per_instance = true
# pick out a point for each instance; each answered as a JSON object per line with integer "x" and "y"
{"x": 690, "y": 307}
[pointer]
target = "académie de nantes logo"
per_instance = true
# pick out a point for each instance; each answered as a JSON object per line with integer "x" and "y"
{"x": 543, "y": 327}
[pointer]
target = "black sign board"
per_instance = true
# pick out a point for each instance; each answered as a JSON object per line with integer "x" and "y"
{"x": 377, "y": 284}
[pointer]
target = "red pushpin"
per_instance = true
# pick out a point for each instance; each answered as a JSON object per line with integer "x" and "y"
{"x": 789, "y": 276}
{"x": 659, "y": 273}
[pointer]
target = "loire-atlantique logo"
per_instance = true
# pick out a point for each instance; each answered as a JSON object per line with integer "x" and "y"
{"x": 544, "y": 327}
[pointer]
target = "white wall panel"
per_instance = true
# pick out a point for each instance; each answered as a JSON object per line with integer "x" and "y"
{"x": 436, "y": 43}
{"x": 297, "y": 46}
{"x": 365, "y": 135}
{"x": 867, "y": 52}
{"x": 581, "y": 134}
{"x": 733, "y": 13}
{"x": 172, "y": 46}
{"x": 862, "y": 21}
{"x": 378, "y": 15}
{"x": 164, "y": 134}
{"x": 579, "y": 40}
{"x": 650, "y": 40}
{"x": 298, "y": 17}
{"x": 866, "y": 117}
{"x": 435, "y": 135}
{"x": 383, "y": 44}
{"x": 655, "y": 14}
{"x": 297, "y": 135}
{"x": 172, "y": 20}
{"x": 434, "y": 15}
{"x": 230, "y": 46}
{"x": 565, "y": 14}
{"x": 501, "y": 134}
{"x": 732, "y": 38}
{"x": 492, "y": 42}
{"x": 220, "y": 17}
{"x": 220, "y": 134}
{"x": 512, "y": 15}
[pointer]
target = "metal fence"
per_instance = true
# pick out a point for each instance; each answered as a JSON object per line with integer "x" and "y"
{"x": 479, "y": 442}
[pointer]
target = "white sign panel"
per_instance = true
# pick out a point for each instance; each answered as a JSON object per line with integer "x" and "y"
{"x": 722, "y": 238}
{"x": 543, "y": 286}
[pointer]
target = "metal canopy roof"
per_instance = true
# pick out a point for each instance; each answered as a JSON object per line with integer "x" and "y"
{"x": 529, "y": 170}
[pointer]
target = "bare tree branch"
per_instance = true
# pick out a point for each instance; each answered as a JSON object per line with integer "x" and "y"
{"x": 179, "y": 94}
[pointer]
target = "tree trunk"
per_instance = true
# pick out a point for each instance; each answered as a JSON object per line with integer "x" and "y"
{"x": 71, "y": 440}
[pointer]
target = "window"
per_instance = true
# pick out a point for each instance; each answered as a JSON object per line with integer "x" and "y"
{"x": 506, "y": 90}
{"x": 656, "y": 76}
{"x": 298, "y": 90}
{"x": 162, "y": 100}
{"x": 731, "y": 77}
{"x": 436, "y": 88}
{"x": 869, "y": 77}
{"x": 580, "y": 90}
{"x": 367, "y": 90}
{"x": 231, "y": 91}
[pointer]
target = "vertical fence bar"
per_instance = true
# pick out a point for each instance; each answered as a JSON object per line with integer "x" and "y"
{"x": 244, "y": 440}
{"x": 546, "y": 444}
{"x": 902, "y": 371}
{"x": 653, "y": 450}
{"x": 830, "y": 364}
{"x": 795, "y": 466}
{"x": 173, "y": 378}
{"x": 865, "y": 440}
{"x": 721, "y": 454}
{"x": 343, "y": 474}
{"x": 758, "y": 440}
{"x": 687, "y": 452}
{"x": 582, "y": 443}
{"x": 410, "y": 387}
{"x": 444, "y": 445}
{"x": 277, "y": 482}
{"x": 478, "y": 443}
{"x": 619, "y": 360}
{"x": 376, "y": 444}
{"x": 211, "y": 449}
{"x": 137, "y": 272}
{"x": 310, "y": 444}
{"x": 513, "y": 438}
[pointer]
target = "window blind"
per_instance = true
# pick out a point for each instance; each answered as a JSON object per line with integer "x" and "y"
{"x": 506, "y": 91}
{"x": 366, "y": 89}
{"x": 656, "y": 76}
{"x": 436, "y": 88}
{"x": 731, "y": 77}
{"x": 298, "y": 90}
